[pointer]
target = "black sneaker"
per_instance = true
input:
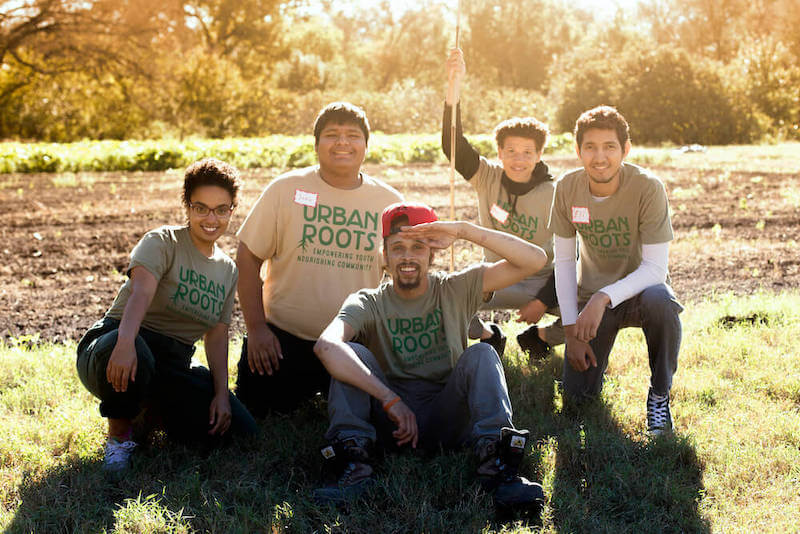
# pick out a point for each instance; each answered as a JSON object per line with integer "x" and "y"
{"x": 514, "y": 496}
{"x": 659, "y": 418}
{"x": 498, "y": 339}
{"x": 530, "y": 342}
{"x": 347, "y": 471}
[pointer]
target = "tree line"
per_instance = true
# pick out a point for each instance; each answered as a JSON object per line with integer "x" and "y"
{"x": 682, "y": 71}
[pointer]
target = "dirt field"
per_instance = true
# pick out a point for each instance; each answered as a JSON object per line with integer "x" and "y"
{"x": 66, "y": 238}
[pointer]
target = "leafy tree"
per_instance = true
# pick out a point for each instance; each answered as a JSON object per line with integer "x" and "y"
{"x": 49, "y": 37}
{"x": 666, "y": 95}
{"x": 248, "y": 32}
{"x": 70, "y": 106}
{"x": 707, "y": 27}
{"x": 391, "y": 48}
{"x": 766, "y": 72}
{"x": 515, "y": 42}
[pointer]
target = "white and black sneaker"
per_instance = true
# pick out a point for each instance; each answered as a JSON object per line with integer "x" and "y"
{"x": 659, "y": 418}
{"x": 117, "y": 458}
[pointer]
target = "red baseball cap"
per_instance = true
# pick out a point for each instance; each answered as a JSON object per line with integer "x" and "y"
{"x": 416, "y": 212}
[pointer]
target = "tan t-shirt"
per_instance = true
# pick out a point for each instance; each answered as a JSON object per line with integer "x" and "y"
{"x": 528, "y": 221}
{"x": 321, "y": 244}
{"x": 612, "y": 230}
{"x": 420, "y": 338}
{"x": 194, "y": 292}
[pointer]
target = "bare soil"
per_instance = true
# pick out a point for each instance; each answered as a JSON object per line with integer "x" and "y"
{"x": 66, "y": 237}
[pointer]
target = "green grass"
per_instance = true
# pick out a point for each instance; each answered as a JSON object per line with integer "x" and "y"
{"x": 274, "y": 151}
{"x": 733, "y": 466}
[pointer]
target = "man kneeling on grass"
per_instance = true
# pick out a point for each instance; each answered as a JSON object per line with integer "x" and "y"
{"x": 414, "y": 381}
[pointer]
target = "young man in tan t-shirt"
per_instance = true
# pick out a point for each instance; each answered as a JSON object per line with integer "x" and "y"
{"x": 514, "y": 196}
{"x": 318, "y": 231}
{"x": 622, "y": 215}
{"x": 411, "y": 377}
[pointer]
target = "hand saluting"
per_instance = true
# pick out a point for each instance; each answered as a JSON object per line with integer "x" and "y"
{"x": 439, "y": 234}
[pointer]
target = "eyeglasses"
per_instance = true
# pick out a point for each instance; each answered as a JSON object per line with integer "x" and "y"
{"x": 201, "y": 210}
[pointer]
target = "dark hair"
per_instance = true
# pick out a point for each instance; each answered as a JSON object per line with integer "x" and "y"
{"x": 341, "y": 113}
{"x": 210, "y": 171}
{"x": 602, "y": 118}
{"x": 526, "y": 127}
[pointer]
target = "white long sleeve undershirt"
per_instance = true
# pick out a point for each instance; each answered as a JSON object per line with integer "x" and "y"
{"x": 652, "y": 271}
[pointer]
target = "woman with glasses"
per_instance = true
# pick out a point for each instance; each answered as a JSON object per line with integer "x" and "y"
{"x": 180, "y": 288}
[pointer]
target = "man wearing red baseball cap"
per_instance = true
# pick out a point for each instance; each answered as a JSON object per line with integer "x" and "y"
{"x": 413, "y": 380}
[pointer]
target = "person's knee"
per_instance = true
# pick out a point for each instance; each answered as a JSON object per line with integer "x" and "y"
{"x": 97, "y": 355}
{"x": 477, "y": 355}
{"x": 365, "y": 355}
{"x": 659, "y": 303}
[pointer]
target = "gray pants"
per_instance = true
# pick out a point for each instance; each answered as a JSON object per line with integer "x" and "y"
{"x": 518, "y": 295}
{"x": 655, "y": 310}
{"x": 473, "y": 403}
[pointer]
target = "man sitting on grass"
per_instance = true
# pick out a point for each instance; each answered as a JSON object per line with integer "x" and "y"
{"x": 414, "y": 369}
{"x": 513, "y": 197}
{"x": 621, "y": 213}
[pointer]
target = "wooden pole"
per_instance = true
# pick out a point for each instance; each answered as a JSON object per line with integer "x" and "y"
{"x": 453, "y": 143}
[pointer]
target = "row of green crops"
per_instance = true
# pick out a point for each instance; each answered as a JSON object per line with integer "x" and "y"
{"x": 273, "y": 151}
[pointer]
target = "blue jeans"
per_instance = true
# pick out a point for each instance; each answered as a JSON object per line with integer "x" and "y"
{"x": 655, "y": 310}
{"x": 473, "y": 403}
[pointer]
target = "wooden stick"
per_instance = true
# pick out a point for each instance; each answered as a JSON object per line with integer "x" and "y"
{"x": 453, "y": 144}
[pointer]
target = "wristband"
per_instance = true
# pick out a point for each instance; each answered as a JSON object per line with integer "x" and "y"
{"x": 390, "y": 403}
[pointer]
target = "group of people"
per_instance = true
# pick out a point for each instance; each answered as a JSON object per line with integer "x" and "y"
{"x": 333, "y": 272}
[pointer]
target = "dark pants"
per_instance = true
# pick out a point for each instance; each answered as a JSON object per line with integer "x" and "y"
{"x": 300, "y": 376}
{"x": 472, "y": 404}
{"x": 655, "y": 310}
{"x": 181, "y": 394}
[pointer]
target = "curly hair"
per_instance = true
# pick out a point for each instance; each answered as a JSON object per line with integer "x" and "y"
{"x": 210, "y": 171}
{"x": 526, "y": 127}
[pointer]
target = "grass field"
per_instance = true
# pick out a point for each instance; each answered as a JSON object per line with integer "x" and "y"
{"x": 733, "y": 465}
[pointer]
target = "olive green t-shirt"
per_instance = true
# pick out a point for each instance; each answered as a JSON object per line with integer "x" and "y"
{"x": 421, "y": 338}
{"x": 320, "y": 244}
{"x": 194, "y": 292}
{"x": 612, "y": 230}
{"x": 528, "y": 219}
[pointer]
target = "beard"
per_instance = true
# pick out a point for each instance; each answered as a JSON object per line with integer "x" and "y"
{"x": 408, "y": 284}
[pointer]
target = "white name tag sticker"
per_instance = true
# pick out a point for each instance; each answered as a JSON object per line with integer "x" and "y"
{"x": 304, "y": 198}
{"x": 580, "y": 215}
{"x": 499, "y": 213}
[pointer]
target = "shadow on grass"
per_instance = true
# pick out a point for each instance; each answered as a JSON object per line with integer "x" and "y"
{"x": 259, "y": 485}
{"x": 252, "y": 485}
{"x": 603, "y": 479}
{"x": 598, "y": 479}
